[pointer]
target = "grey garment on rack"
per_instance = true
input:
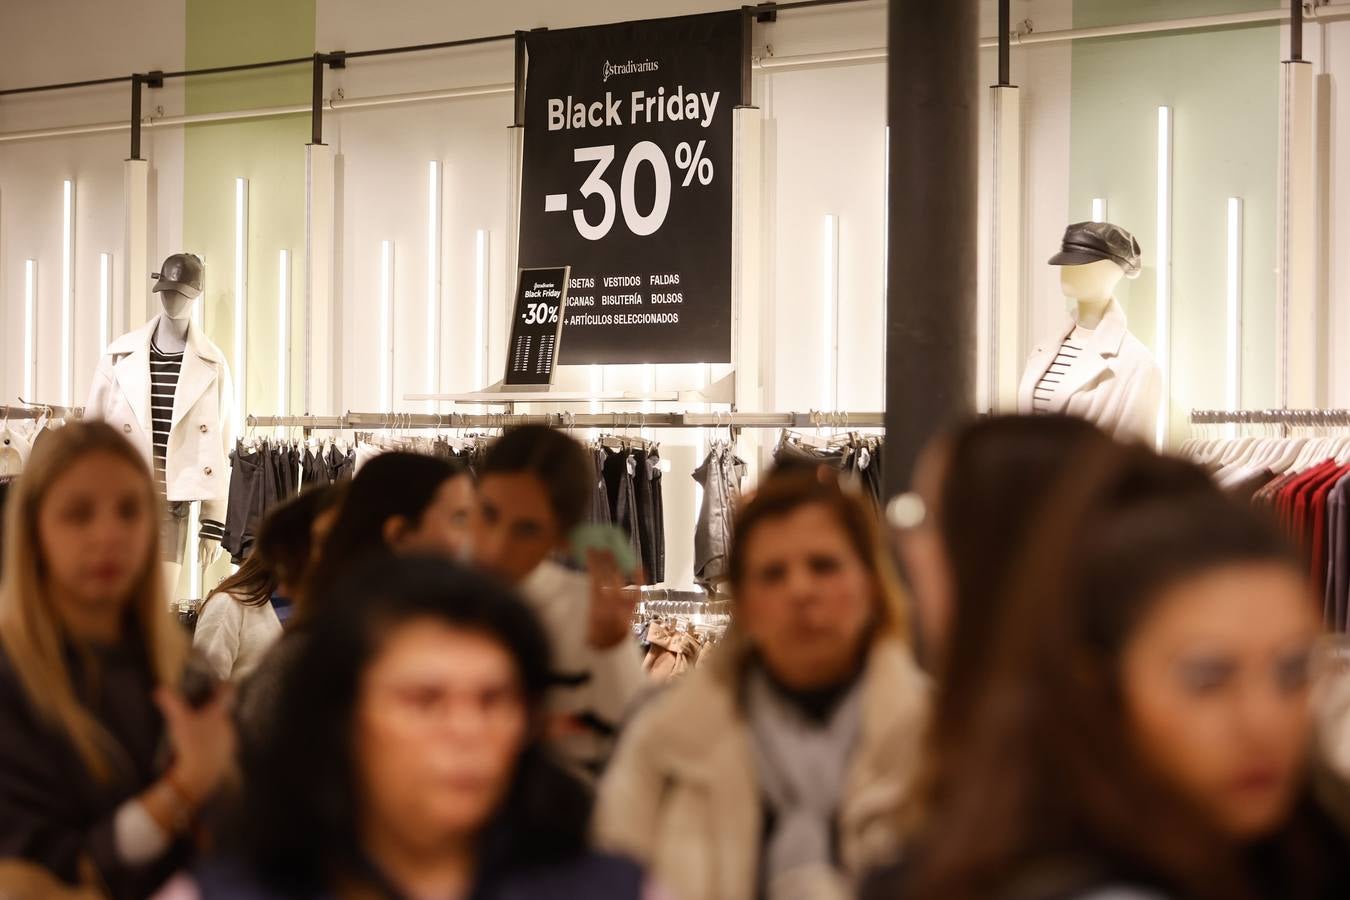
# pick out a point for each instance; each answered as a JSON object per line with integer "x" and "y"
{"x": 720, "y": 475}
{"x": 173, "y": 531}
{"x": 1337, "y": 605}
{"x": 620, "y": 468}
{"x": 599, "y": 493}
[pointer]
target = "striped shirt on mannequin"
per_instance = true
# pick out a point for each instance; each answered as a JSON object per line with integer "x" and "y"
{"x": 1050, "y": 382}
{"x": 164, "y": 371}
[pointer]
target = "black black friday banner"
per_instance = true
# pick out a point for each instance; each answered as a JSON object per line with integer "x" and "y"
{"x": 627, "y": 178}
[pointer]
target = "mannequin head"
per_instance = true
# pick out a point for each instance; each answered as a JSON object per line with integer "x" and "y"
{"x": 178, "y": 282}
{"x": 177, "y": 305}
{"x": 1094, "y": 281}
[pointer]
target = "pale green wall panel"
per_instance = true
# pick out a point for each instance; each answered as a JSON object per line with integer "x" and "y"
{"x": 1223, "y": 88}
{"x": 270, "y": 153}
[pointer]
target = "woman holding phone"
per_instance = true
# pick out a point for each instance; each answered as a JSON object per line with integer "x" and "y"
{"x": 90, "y": 664}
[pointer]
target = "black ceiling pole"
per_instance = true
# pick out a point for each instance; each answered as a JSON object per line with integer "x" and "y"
{"x": 316, "y": 102}
{"x": 932, "y": 98}
{"x": 748, "y": 16}
{"x": 1004, "y": 43}
{"x": 135, "y": 117}
{"x": 520, "y": 79}
{"x": 1296, "y": 30}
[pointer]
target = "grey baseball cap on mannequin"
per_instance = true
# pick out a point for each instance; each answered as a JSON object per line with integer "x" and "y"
{"x": 1089, "y": 242}
{"x": 181, "y": 272}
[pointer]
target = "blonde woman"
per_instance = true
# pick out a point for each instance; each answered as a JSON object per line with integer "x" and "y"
{"x": 89, "y": 659}
{"x": 782, "y": 767}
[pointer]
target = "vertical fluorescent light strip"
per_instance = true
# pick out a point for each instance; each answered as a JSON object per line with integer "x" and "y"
{"x": 241, "y": 296}
{"x": 29, "y": 327}
{"x": 67, "y": 290}
{"x": 1164, "y": 292}
{"x": 386, "y": 326}
{"x": 1099, "y": 209}
{"x": 433, "y": 280}
{"x": 480, "y": 302}
{"x": 104, "y": 300}
{"x": 1234, "y": 284}
{"x": 283, "y": 332}
{"x": 830, "y": 309}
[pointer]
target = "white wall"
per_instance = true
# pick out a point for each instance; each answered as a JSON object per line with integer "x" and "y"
{"x": 70, "y": 40}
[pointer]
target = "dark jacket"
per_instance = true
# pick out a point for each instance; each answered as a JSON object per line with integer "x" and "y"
{"x": 53, "y": 812}
{"x": 592, "y": 876}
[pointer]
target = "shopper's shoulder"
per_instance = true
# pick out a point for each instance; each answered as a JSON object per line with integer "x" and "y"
{"x": 589, "y": 875}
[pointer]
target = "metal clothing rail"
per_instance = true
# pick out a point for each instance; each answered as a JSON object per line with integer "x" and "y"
{"x": 28, "y": 410}
{"x": 621, "y": 420}
{"x": 1294, "y": 418}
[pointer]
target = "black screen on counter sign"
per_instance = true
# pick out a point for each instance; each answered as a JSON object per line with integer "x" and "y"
{"x": 628, "y": 175}
{"x": 541, "y": 305}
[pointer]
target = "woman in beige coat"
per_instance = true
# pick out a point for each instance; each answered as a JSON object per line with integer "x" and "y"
{"x": 781, "y": 769}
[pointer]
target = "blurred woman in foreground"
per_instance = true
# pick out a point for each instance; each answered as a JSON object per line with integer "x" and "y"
{"x": 780, "y": 768}
{"x": 90, "y": 663}
{"x": 409, "y": 762}
{"x": 1140, "y": 718}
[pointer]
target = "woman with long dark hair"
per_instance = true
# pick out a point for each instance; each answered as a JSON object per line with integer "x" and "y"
{"x": 1137, "y": 712}
{"x": 238, "y": 622}
{"x": 409, "y": 760}
{"x": 400, "y": 503}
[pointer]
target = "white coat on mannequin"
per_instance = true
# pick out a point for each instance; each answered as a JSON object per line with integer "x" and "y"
{"x": 202, "y": 430}
{"x": 1115, "y": 383}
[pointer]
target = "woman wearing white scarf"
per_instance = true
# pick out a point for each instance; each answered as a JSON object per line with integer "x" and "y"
{"x": 781, "y": 768}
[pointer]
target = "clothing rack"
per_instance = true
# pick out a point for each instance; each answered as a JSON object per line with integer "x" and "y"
{"x": 28, "y": 410}
{"x": 1292, "y": 418}
{"x": 567, "y": 420}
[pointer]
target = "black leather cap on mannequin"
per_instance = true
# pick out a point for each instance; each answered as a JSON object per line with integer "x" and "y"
{"x": 181, "y": 272}
{"x": 1089, "y": 242}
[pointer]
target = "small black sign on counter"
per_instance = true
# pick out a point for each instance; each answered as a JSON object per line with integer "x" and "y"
{"x": 536, "y": 327}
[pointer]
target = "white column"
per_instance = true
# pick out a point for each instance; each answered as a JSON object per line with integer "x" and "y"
{"x": 1000, "y": 330}
{"x": 1297, "y": 321}
{"x": 747, "y": 352}
{"x": 319, "y": 370}
{"x": 140, "y": 305}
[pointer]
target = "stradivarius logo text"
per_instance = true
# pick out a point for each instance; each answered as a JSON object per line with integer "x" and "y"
{"x": 630, "y": 67}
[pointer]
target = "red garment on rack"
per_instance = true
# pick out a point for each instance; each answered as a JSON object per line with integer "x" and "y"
{"x": 1318, "y": 510}
{"x": 1297, "y": 500}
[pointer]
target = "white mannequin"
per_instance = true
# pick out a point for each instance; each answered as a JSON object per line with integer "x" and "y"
{"x": 201, "y": 434}
{"x": 1093, "y": 286}
{"x": 1115, "y": 382}
{"x": 171, "y": 337}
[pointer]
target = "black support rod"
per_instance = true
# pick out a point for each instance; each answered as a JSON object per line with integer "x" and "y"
{"x": 135, "y": 117}
{"x": 1004, "y": 43}
{"x": 119, "y": 79}
{"x": 241, "y": 67}
{"x": 1296, "y": 30}
{"x": 519, "y": 79}
{"x": 316, "y": 102}
{"x": 932, "y": 98}
{"x": 439, "y": 45}
{"x": 748, "y": 14}
{"x": 359, "y": 54}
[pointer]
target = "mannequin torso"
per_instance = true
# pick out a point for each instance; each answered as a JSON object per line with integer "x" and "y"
{"x": 1093, "y": 367}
